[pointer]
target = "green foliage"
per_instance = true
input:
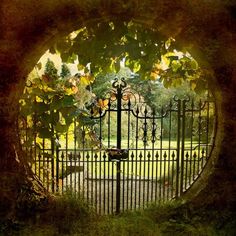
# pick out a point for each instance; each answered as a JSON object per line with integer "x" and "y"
{"x": 101, "y": 47}
{"x": 50, "y": 103}
{"x": 50, "y": 70}
{"x": 65, "y": 71}
{"x": 150, "y": 62}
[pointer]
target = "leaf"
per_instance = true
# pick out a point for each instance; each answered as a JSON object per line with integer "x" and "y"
{"x": 80, "y": 67}
{"x": 193, "y": 85}
{"x": 60, "y": 128}
{"x": 102, "y": 103}
{"x": 45, "y": 133}
{"x": 26, "y": 110}
{"x": 40, "y": 108}
{"x": 137, "y": 67}
{"x": 175, "y": 65}
{"x": 86, "y": 79}
{"x": 194, "y": 64}
{"x": 68, "y": 101}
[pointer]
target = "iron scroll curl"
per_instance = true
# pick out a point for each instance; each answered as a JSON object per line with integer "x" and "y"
{"x": 119, "y": 83}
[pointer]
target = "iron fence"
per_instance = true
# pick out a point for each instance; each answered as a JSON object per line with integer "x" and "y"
{"x": 131, "y": 155}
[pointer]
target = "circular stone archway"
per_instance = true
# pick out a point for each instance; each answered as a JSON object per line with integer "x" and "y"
{"x": 27, "y": 33}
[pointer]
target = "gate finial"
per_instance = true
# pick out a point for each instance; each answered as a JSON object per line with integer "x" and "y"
{"x": 119, "y": 83}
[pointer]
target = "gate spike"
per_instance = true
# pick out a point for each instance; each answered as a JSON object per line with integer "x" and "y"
{"x": 140, "y": 155}
{"x": 132, "y": 155}
{"x": 173, "y": 154}
{"x": 157, "y": 155}
{"x": 104, "y": 155}
{"x": 79, "y": 156}
{"x": 165, "y": 155}
{"x": 129, "y": 103}
{"x": 62, "y": 155}
{"x": 187, "y": 155}
{"x": 96, "y": 156}
{"x": 149, "y": 155}
{"x": 194, "y": 154}
{"x": 87, "y": 156}
{"x": 145, "y": 111}
{"x": 203, "y": 152}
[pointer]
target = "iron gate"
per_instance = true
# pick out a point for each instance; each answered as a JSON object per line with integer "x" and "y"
{"x": 124, "y": 155}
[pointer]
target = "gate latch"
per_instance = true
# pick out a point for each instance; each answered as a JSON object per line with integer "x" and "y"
{"x": 115, "y": 154}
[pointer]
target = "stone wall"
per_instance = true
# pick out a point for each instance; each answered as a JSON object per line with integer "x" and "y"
{"x": 205, "y": 28}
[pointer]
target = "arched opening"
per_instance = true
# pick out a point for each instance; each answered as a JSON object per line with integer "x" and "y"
{"x": 30, "y": 38}
{"x": 151, "y": 134}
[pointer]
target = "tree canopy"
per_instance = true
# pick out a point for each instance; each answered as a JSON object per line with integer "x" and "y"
{"x": 102, "y": 52}
{"x": 101, "y": 49}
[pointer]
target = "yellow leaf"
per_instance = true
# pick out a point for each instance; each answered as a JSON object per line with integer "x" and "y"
{"x": 80, "y": 67}
{"x": 153, "y": 75}
{"x": 193, "y": 85}
{"x": 86, "y": 79}
{"x": 69, "y": 91}
{"x": 103, "y": 103}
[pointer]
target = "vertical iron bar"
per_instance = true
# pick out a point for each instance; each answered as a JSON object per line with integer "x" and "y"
{"x": 140, "y": 178}
{"x": 164, "y": 177}
{"x": 92, "y": 190}
{"x": 119, "y": 107}
{"x": 148, "y": 178}
{"x": 144, "y": 153}
{"x": 157, "y": 180}
{"x": 136, "y": 159}
{"x": 74, "y": 162}
{"x": 88, "y": 158}
{"x": 96, "y": 187}
{"x": 178, "y": 145}
{"x": 170, "y": 162}
{"x": 199, "y": 136}
{"x": 153, "y": 146}
{"x": 182, "y": 147}
{"x": 57, "y": 168}
{"x": 128, "y": 166}
{"x": 66, "y": 161}
{"x": 100, "y": 160}
{"x": 104, "y": 183}
{"x": 191, "y": 143}
{"x": 108, "y": 163}
{"x": 161, "y": 158}
{"x": 52, "y": 161}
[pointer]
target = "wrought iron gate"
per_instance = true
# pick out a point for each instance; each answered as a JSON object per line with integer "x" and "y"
{"x": 124, "y": 155}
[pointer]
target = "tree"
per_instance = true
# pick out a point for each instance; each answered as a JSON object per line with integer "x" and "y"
{"x": 50, "y": 70}
{"x": 65, "y": 71}
{"x": 100, "y": 49}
